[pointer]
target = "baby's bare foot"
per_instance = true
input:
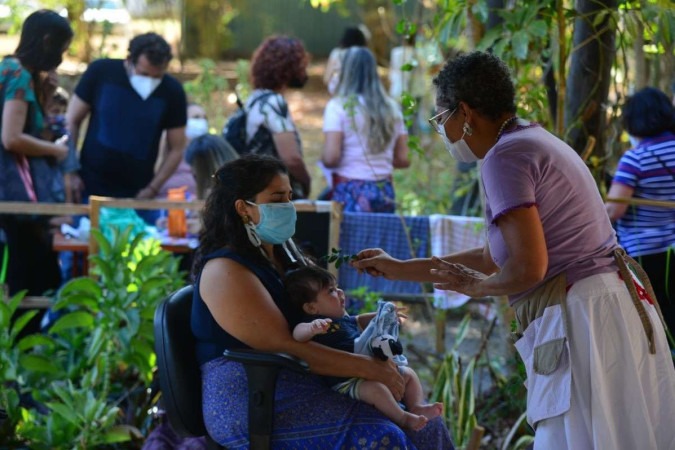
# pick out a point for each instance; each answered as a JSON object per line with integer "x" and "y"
{"x": 413, "y": 422}
{"x": 429, "y": 411}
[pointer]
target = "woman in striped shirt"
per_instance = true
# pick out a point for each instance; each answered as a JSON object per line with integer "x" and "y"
{"x": 647, "y": 171}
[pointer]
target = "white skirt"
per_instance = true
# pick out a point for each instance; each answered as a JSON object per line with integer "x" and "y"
{"x": 607, "y": 391}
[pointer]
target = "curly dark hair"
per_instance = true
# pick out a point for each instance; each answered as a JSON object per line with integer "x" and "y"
{"x": 479, "y": 79}
{"x": 222, "y": 227}
{"x": 304, "y": 284}
{"x": 153, "y": 46}
{"x": 649, "y": 112}
{"x": 277, "y": 61}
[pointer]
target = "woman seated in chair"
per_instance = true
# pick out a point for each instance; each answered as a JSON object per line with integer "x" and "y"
{"x": 239, "y": 302}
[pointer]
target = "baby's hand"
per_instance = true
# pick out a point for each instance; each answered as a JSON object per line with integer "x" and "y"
{"x": 401, "y": 313}
{"x": 320, "y": 326}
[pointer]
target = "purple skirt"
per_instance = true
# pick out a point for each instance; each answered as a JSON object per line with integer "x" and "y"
{"x": 308, "y": 415}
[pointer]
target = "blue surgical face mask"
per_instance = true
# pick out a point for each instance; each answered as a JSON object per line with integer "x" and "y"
{"x": 277, "y": 222}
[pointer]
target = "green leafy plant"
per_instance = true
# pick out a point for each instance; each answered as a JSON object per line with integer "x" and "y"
{"x": 208, "y": 89}
{"x": 14, "y": 352}
{"x": 85, "y": 383}
{"x": 454, "y": 386}
{"x": 363, "y": 300}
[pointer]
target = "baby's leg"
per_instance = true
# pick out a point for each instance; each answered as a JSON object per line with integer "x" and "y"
{"x": 413, "y": 398}
{"x": 377, "y": 394}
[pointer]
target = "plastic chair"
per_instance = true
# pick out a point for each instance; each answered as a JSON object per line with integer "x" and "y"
{"x": 180, "y": 376}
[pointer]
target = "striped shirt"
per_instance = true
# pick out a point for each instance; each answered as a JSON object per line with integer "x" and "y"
{"x": 649, "y": 169}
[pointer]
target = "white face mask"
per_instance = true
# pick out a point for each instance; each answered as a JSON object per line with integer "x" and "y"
{"x": 196, "y": 127}
{"x": 459, "y": 150}
{"x": 144, "y": 85}
{"x": 634, "y": 141}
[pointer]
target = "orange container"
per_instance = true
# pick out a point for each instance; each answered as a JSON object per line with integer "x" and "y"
{"x": 177, "y": 224}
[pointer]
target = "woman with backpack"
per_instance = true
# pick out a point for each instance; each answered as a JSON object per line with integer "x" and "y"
{"x": 365, "y": 137}
{"x": 279, "y": 63}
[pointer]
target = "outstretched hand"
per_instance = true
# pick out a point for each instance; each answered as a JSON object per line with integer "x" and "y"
{"x": 458, "y": 278}
{"x": 375, "y": 262}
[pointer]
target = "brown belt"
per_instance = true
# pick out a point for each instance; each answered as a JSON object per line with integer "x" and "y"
{"x": 626, "y": 263}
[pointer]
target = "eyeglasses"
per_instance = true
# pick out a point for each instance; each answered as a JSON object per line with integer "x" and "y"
{"x": 437, "y": 122}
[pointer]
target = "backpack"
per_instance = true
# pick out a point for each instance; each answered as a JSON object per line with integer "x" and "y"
{"x": 234, "y": 132}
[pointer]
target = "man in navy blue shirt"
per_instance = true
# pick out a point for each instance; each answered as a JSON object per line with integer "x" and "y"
{"x": 130, "y": 103}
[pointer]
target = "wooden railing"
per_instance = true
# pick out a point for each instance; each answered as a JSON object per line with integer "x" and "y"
{"x": 92, "y": 210}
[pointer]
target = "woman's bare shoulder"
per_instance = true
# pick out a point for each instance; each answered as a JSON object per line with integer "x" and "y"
{"x": 221, "y": 272}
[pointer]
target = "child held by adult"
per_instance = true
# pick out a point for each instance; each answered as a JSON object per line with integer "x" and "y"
{"x": 314, "y": 292}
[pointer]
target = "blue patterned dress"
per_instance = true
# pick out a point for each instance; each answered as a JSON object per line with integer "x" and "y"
{"x": 308, "y": 414}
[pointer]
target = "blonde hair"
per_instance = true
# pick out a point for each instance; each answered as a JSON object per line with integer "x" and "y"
{"x": 359, "y": 78}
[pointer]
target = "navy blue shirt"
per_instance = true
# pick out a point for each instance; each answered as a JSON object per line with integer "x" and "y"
{"x": 122, "y": 141}
{"x": 212, "y": 340}
{"x": 340, "y": 335}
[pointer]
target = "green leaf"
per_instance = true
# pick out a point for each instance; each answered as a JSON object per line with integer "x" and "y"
{"x": 407, "y": 67}
{"x": 5, "y": 315}
{"x": 82, "y": 285}
{"x": 600, "y": 17}
{"x": 95, "y": 345}
{"x": 78, "y": 299}
{"x": 152, "y": 283}
{"x": 462, "y": 329}
{"x": 21, "y": 321}
{"x": 103, "y": 244}
{"x": 538, "y": 28}
{"x": 72, "y": 320}
{"x": 38, "y": 363}
{"x": 120, "y": 433}
{"x": 520, "y": 42}
{"x": 103, "y": 266}
{"x": 15, "y": 301}
{"x": 65, "y": 412}
{"x": 136, "y": 241}
{"x": 402, "y": 26}
{"x": 35, "y": 340}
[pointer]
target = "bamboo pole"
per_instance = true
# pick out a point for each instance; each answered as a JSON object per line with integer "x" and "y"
{"x": 476, "y": 437}
{"x": 44, "y": 209}
{"x": 641, "y": 201}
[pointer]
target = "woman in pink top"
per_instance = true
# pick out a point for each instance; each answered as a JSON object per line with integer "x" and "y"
{"x": 599, "y": 370}
{"x": 365, "y": 138}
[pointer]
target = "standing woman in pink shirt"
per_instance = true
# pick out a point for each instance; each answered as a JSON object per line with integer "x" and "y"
{"x": 365, "y": 138}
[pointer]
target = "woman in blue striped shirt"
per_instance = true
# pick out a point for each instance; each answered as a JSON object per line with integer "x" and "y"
{"x": 647, "y": 171}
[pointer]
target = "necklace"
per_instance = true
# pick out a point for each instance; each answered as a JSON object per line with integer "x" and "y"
{"x": 505, "y": 125}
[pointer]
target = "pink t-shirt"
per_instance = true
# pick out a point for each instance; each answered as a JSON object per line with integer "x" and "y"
{"x": 532, "y": 167}
{"x": 357, "y": 163}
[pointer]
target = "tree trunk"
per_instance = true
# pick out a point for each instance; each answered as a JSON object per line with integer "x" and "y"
{"x": 474, "y": 29}
{"x": 592, "y": 56}
{"x": 494, "y": 19}
{"x": 204, "y": 32}
{"x": 638, "y": 51}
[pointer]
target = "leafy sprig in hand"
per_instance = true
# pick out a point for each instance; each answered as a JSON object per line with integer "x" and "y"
{"x": 338, "y": 258}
